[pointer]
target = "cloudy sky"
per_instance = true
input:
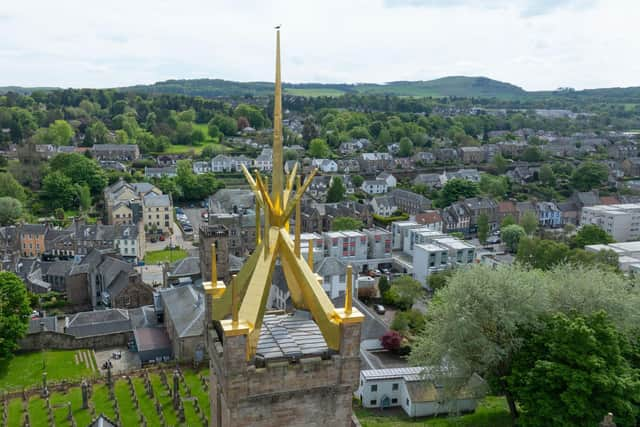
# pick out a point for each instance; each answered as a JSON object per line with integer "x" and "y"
{"x": 536, "y": 44}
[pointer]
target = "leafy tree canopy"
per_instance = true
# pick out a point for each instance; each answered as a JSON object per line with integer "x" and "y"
{"x": 342, "y": 223}
{"x": 14, "y": 313}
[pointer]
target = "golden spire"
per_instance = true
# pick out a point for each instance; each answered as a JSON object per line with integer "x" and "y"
{"x": 278, "y": 167}
{"x": 246, "y": 300}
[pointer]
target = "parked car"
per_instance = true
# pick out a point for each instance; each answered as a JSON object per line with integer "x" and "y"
{"x": 161, "y": 238}
{"x": 379, "y": 308}
{"x": 493, "y": 240}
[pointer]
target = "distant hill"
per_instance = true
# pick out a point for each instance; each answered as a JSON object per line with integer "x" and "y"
{"x": 24, "y": 90}
{"x": 446, "y": 86}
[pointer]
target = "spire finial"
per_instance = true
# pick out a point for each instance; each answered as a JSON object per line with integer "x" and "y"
{"x": 278, "y": 169}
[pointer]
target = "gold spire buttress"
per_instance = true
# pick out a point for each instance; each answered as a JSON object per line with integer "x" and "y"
{"x": 250, "y": 288}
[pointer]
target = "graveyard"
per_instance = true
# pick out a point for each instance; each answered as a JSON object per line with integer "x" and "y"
{"x": 160, "y": 396}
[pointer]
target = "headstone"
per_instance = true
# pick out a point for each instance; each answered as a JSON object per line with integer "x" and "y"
{"x": 109, "y": 380}
{"x": 176, "y": 388}
{"x": 45, "y": 389}
{"x": 608, "y": 421}
{"x": 69, "y": 411}
{"x": 85, "y": 394}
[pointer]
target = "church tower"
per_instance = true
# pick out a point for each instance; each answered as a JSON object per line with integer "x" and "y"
{"x": 279, "y": 369}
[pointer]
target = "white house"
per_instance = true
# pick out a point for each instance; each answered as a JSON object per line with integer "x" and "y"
{"x": 264, "y": 162}
{"x": 417, "y": 393}
{"x": 388, "y": 178}
{"x": 201, "y": 167}
{"x": 384, "y": 205}
{"x": 325, "y": 165}
{"x": 334, "y": 277}
{"x": 376, "y": 186}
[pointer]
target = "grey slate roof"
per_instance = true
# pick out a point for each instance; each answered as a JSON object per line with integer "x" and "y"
{"x": 189, "y": 266}
{"x": 99, "y": 322}
{"x": 143, "y": 317}
{"x": 289, "y": 337}
{"x": 184, "y": 305}
{"x": 331, "y": 266}
{"x": 153, "y": 200}
{"x": 50, "y": 323}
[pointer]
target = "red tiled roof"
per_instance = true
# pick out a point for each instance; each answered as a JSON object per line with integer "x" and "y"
{"x": 430, "y": 217}
{"x": 609, "y": 200}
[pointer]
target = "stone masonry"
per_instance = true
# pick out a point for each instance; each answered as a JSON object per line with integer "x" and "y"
{"x": 307, "y": 392}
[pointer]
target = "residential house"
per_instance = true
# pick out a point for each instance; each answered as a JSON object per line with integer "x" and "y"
{"x": 183, "y": 308}
{"x": 117, "y": 152}
{"x": 585, "y": 199}
{"x": 410, "y": 202}
{"x": 418, "y": 393}
{"x": 431, "y": 180}
{"x": 425, "y": 157}
{"x": 32, "y": 243}
{"x": 241, "y": 227}
{"x": 466, "y": 174}
{"x": 511, "y": 149}
{"x": 374, "y": 162}
{"x": 113, "y": 165}
{"x": 334, "y": 276}
{"x": 446, "y": 155}
{"x": 456, "y": 218}
{"x": 384, "y": 205}
{"x": 548, "y": 214}
{"x": 568, "y": 212}
{"x": 523, "y": 208}
{"x": 318, "y": 217}
{"x": 325, "y": 165}
{"x": 264, "y": 162}
{"x": 168, "y": 171}
{"x": 522, "y": 174}
{"x": 479, "y": 206}
{"x": 472, "y": 155}
{"x": 9, "y": 248}
{"x": 201, "y": 167}
{"x": 406, "y": 163}
{"x": 376, "y": 186}
{"x": 389, "y": 179}
{"x": 348, "y": 166}
{"x": 505, "y": 209}
{"x": 158, "y": 213}
{"x": 319, "y": 187}
{"x": 431, "y": 219}
{"x": 350, "y": 147}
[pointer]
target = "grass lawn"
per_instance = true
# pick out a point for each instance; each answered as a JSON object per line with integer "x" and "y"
{"x": 25, "y": 370}
{"x": 491, "y": 412}
{"x": 197, "y": 149}
{"x": 165, "y": 255}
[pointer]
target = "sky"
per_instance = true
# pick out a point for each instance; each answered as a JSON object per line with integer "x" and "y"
{"x": 535, "y": 44}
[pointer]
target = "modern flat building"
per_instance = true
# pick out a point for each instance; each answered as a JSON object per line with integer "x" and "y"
{"x": 621, "y": 221}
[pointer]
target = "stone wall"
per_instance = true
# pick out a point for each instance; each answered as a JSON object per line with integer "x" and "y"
{"x": 50, "y": 340}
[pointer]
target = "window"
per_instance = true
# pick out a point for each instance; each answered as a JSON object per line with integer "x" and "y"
{"x": 394, "y": 401}
{"x": 374, "y": 387}
{"x": 394, "y": 386}
{"x": 407, "y": 402}
{"x": 373, "y": 402}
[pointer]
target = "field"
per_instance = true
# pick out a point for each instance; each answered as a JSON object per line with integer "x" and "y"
{"x": 25, "y": 370}
{"x": 197, "y": 149}
{"x": 313, "y": 92}
{"x": 130, "y": 400}
{"x": 491, "y": 412}
{"x": 165, "y": 255}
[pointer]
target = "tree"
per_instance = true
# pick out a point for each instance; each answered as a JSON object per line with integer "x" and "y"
{"x": 546, "y": 175}
{"x": 411, "y": 321}
{"x": 573, "y": 370}
{"x": 84, "y": 197}
{"x": 214, "y": 131}
{"x": 357, "y": 180}
{"x": 507, "y": 220}
{"x": 511, "y": 235}
{"x": 10, "y": 210}
{"x": 309, "y": 131}
{"x": 529, "y": 222}
{"x": 225, "y": 124}
{"x": 336, "y": 190}
{"x": 342, "y": 223}
{"x": 319, "y": 149}
{"x": 81, "y": 170}
{"x": 474, "y": 324}
{"x": 404, "y": 291}
{"x": 14, "y": 313}
{"x": 483, "y": 228}
{"x": 391, "y": 340}
{"x": 252, "y": 114}
{"x": 184, "y": 133}
{"x": 500, "y": 163}
{"x": 96, "y": 133}
{"x": 590, "y": 234}
{"x": 532, "y": 154}
{"x": 456, "y": 189}
{"x": 438, "y": 280}
{"x": 9, "y": 187}
{"x": 589, "y": 175}
{"x": 58, "y": 191}
{"x": 383, "y": 285}
{"x": 542, "y": 254}
{"x": 60, "y": 132}
{"x": 494, "y": 186}
{"x": 406, "y": 147}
